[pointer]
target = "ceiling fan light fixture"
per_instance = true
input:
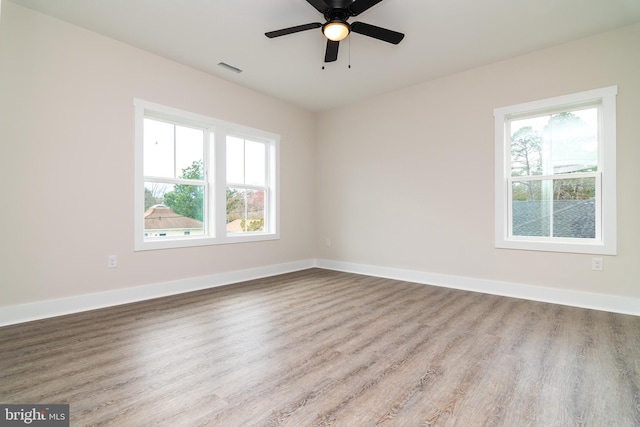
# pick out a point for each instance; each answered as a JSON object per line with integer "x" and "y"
{"x": 335, "y": 30}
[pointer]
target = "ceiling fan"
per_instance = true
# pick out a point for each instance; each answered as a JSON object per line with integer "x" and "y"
{"x": 336, "y": 27}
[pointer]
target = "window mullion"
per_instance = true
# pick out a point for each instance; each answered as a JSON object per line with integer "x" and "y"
{"x": 178, "y": 181}
{"x": 247, "y": 187}
{"x": 556, "y": 176}
{"x": 220, "y": 174}
{"x": 207, "y": 164}
{"x": 598, "y": 202}
{"x": 175, "y": 151}
{"x": 508, "y": 191}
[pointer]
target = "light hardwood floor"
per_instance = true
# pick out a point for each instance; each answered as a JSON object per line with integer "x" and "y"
{"x": 317, "y": 348}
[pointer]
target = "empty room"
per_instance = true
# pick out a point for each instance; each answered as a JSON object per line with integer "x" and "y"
{"x": 430, "y": 213}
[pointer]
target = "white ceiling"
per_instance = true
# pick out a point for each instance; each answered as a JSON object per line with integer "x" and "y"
{"x": 442, "y": 37}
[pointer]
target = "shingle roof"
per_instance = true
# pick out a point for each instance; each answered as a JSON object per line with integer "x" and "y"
{"x": 160, "y": 217}
{"x": 571, "y": 218}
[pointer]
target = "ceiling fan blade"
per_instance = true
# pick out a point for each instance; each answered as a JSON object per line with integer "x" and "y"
{"x": 331, "y": 54}
{"x": 359, "y": 6}
{"x": 291, "y": 30}
{"x": 379, "y": 33}
{"x": 320, "y": 5}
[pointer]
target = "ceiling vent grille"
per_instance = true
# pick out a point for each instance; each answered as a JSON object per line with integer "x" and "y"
{"x": 229, "y": 67}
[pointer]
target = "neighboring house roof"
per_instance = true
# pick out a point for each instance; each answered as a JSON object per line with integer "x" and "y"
{"x": 571, "y": 218}
{"x": 160, "y": 217}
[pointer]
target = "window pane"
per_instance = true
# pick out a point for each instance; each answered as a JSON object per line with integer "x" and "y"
{"x": 566, "y": 206}
{"x": 574, "y": 208}
{"x": 235, "y": 160}
{"x": 526, "y": 146}
{"x": 189, "y": 152}
{"x": 571, "y": 142}
{"x": 531, "y": 208}
{"x": 255, "y": 157}
{"x": 172, "y": 151}
{"x": 173, "y": 210}
{"x": 555, "y": 144}
{"x": 158, "y": 149}
{"x": 245, "y": 210}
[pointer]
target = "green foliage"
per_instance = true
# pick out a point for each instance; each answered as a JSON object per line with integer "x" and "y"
{"x": 574, "y": 189}
{"x": 234, "y": 200}
{"x": 565, "y": 120}
{"x": 254, "y": 225}
{"x": 526, "y": 152}
{"x": 188, "y": 200}
{"x": 527, "y": 159}
{"x": 149, "y": 200}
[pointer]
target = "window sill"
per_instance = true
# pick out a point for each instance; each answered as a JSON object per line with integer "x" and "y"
{"x": 566, "y": 246}
{"x": 150, "y": 245}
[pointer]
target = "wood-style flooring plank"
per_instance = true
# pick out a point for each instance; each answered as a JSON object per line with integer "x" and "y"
{"x": 321, "y": 348}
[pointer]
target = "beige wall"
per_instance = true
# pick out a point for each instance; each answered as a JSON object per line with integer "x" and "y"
{"x": 410, "y": 182}
{"x": 66, "y": 168}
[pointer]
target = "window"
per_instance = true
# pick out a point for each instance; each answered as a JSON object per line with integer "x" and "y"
{"x": 202, "y": 181}
{"x": 246, "y": 184}
{"x": 555, "y": 174}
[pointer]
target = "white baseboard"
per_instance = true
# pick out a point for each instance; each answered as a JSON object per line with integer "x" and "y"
{"x": 13, "y": 314}
{"x": 595, "y": 301}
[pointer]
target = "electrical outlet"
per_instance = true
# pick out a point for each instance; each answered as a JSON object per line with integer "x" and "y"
{"x": 596, "y": 264}
{"x": 112, "y": 261}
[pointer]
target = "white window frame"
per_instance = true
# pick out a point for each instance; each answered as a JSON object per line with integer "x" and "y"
{"x": 215, "y": 179}
{"x": 605, "y": 241}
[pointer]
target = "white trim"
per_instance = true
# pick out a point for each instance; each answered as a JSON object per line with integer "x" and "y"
{"x": 605, "y": 242}
{"x": 13, "y": 314}
{"x": 20, "y": 313}
{"x": 591, "y": 300}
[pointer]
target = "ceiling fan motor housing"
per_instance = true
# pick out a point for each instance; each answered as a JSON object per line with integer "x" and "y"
{"x": 338, "y": 4}
{"x": 340, "y": 15}
{"x": 336, "y": 27}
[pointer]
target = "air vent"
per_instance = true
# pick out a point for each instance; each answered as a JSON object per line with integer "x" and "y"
{"x": 229, "y": 67}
